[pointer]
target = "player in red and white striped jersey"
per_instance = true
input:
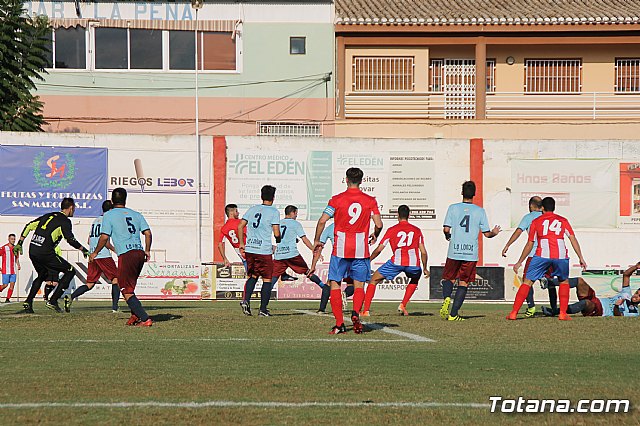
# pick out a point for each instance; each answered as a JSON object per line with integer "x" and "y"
{"x": 10, "y": 267}
{"x": 352, "y": 212}
{"x": 407, "y": 244}
{"x": 549, "y": 231}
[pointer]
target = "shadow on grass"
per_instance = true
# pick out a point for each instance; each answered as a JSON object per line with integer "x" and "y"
{"x": 164, "y": 317}
{"x": 421, "y": 314}
{"x": 473, "y": 316}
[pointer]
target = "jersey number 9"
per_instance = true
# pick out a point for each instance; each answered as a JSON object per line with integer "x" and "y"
{"x": 355, "y": 210}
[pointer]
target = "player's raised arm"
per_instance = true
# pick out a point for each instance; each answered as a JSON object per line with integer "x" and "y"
{"x": 516, "y": 234}
{"x": 71, "y": 239}
{"x": 31, "y": 226}
{"x": 626, "y": 275}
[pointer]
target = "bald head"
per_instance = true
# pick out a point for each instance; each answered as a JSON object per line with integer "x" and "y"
{"x": 535, "y": 204}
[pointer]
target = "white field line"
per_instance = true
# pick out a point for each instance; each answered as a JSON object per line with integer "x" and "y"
{"x": 241, "y": 404}
{"x": 207, "y": 339}
{"x": 409, "y": 336}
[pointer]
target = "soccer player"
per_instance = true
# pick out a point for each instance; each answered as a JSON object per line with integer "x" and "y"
{"x": 230, "y": 232}
{"x": 352, "y": 212}
{"x": 288, "y": 256}
{"x": 407, "y": 244}
{"x": 10, "y": 264}
{"x": 124, "y": 226}
{"x": 549, "y": 231}
{"x": 461, "y": 226}
{"x": 263, "y": 220}
{"x": 48, "y": 231}
{"x": 624, "y": 304}
{"x": 102, "y": 264}
{"x": 535, "y": 211}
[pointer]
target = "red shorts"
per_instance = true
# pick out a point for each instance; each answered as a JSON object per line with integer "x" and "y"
{"x": 297, "y": 264}
{"x": 464, "y": 270}
{"x": 597, "y": 309}
{"x": 129, "y": 267}
{"x": 104, "y": 266}
{"x": 259, "y": 265}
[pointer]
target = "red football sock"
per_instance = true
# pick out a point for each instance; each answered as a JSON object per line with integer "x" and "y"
{"x": 9, "y": 293}
{"x": 358, "y": 298}
{"x": 368, "y": 296}
{"x": 411, "y": 288}
{"x": 563, "y": 294}
{"x": 336, "y": 305}
{"x": 521, "y": 295}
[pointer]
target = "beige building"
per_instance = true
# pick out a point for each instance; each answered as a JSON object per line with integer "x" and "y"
{"x": 546, "y": 66}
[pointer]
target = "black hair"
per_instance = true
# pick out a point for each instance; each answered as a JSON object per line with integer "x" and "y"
{"x": 119, "y": 196}
{"x": 66, "y": 203}
{"x": 12, "y": 235}
{"x": 228, "y": 208}
{"x": 290, "y": 209}
{"x": 535, "y": 201}
{"x": 403, "y": 211}
{"x": 354, "y": 175}
{"x": 469, "y": 189}
{"x": 268, "y": 193}
{"x": 548, "y": 204}
{"x": 106, "y": 206}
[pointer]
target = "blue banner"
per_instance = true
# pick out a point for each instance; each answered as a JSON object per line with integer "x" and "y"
{"x": 35, "y": 179}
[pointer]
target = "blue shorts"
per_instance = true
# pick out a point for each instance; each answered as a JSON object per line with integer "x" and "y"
{"x": 357, "y": 269}
{"x": 390, "y": 270}
{"x": 8, "y": 278}
{"x": 540, "y": 265}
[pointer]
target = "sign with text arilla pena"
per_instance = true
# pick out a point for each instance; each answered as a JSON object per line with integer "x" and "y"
{"x": 35, "y": 179}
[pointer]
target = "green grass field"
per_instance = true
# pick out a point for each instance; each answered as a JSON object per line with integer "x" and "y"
{"x": 208, "y": 351}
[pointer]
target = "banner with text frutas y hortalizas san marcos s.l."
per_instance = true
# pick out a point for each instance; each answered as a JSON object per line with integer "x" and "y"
{"x": 35, "y": 179}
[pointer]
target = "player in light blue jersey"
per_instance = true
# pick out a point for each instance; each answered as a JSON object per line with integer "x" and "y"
{"x": 261, "y": 222}
{"x": 535, "y": 211}
{"x": 288, "y": 256}
{"x": 327, "y": 235}
{"x": 461, "y": 226}
{"x": 103, "y": 264}
{"x": 623, "y": 304}
{"x": 124, "y": 226}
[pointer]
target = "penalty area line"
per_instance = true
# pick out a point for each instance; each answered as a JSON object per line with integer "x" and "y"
{"x": 207, "y": 339}
{"x": 380, "y": 327}
{"x": 241, "y": 404}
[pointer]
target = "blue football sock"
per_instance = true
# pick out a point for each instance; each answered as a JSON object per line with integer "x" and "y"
{"x": 447, "y": 288}
{"x": 115, "y": 296}
{"x": 136, "y": 308}
{"x": 530, "y": 302}
{"x": 316, "y": 279}
{"x": 573, "y": 282}
{"x": 80, "y": 291}
{"x": 577, "y": 307}
{"x": 553, "y": 298}
{"x": 265, "y": 295}
{"x": 326, "y": 293}
{"x": 461, "y": 293}
{"x": 249, "y": 286}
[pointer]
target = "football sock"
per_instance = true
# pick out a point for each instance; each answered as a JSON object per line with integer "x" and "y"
{"x": 521, "y": 295}
{"x": 316, "y": 279}
{"x": 553, "y": 298}
{"x": 249, "y": 286}
{"x": 447, "y": 288}
{"x": 336, "y": 306}
{"x": 80, "y": 291}
{"x": 48, "y": 289}
{"x": 530, "y": 302}
{"x": 265, "y": 295}
{"x": 368, "y": 296}
{"x": 411, "y": 288}
{"x": 35, "y": 286}
{"x": 358, "y": 299}
{"x": 349, "y": 290}
{"x": 461, "y": 293}
{"x": 9, "y": 293}
{"x": 137, "y": 309}
{"x": 564, "y": 298}
{"x": 577, "y": 307}
{"x": 63, "y": 284}
{"x": 115, "y": 296}
{"x": 573, "y": 282}
{"x": 326, "y": 292}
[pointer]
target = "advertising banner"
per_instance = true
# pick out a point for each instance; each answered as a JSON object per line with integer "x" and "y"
{"x": 577, "y": 186}
{"x": 489, "y": 284}
{"x": 35, "y": 179}
{"x": 164, "y": 182}
{"x": 230, "y": 280}
{"x": 308, "y": 179}
{"x": 629, "y": 195}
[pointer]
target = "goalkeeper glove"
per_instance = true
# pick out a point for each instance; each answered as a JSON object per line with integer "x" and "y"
{"x": 85, "y": 253}
{"x": 17, "y": 250}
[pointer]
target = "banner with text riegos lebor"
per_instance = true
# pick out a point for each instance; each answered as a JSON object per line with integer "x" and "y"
{"x": 35, "y": 179}
{"x": 489, "y": 284}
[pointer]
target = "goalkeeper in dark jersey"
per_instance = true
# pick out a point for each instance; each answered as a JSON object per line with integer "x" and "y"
{"x": 48, "y": 231}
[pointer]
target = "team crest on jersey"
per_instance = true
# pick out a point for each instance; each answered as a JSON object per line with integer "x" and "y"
{"x": 54, "y": 172}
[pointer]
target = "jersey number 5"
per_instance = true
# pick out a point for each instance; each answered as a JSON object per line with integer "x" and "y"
{"x": 355, "y": 210}
{"x": 130, "y": 226}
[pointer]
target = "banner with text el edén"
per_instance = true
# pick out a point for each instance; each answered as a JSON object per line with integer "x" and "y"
{"x": 35, "y": 179}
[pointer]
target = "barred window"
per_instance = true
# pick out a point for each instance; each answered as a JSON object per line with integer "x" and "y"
{"x": 383, "y": 74}
{"x": 436, "y": 67}
{"x": 627, "y": 75}
{"x": 553, "y": 75}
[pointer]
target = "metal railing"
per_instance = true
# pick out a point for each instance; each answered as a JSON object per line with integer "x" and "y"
{"x": 284, "y": 128}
